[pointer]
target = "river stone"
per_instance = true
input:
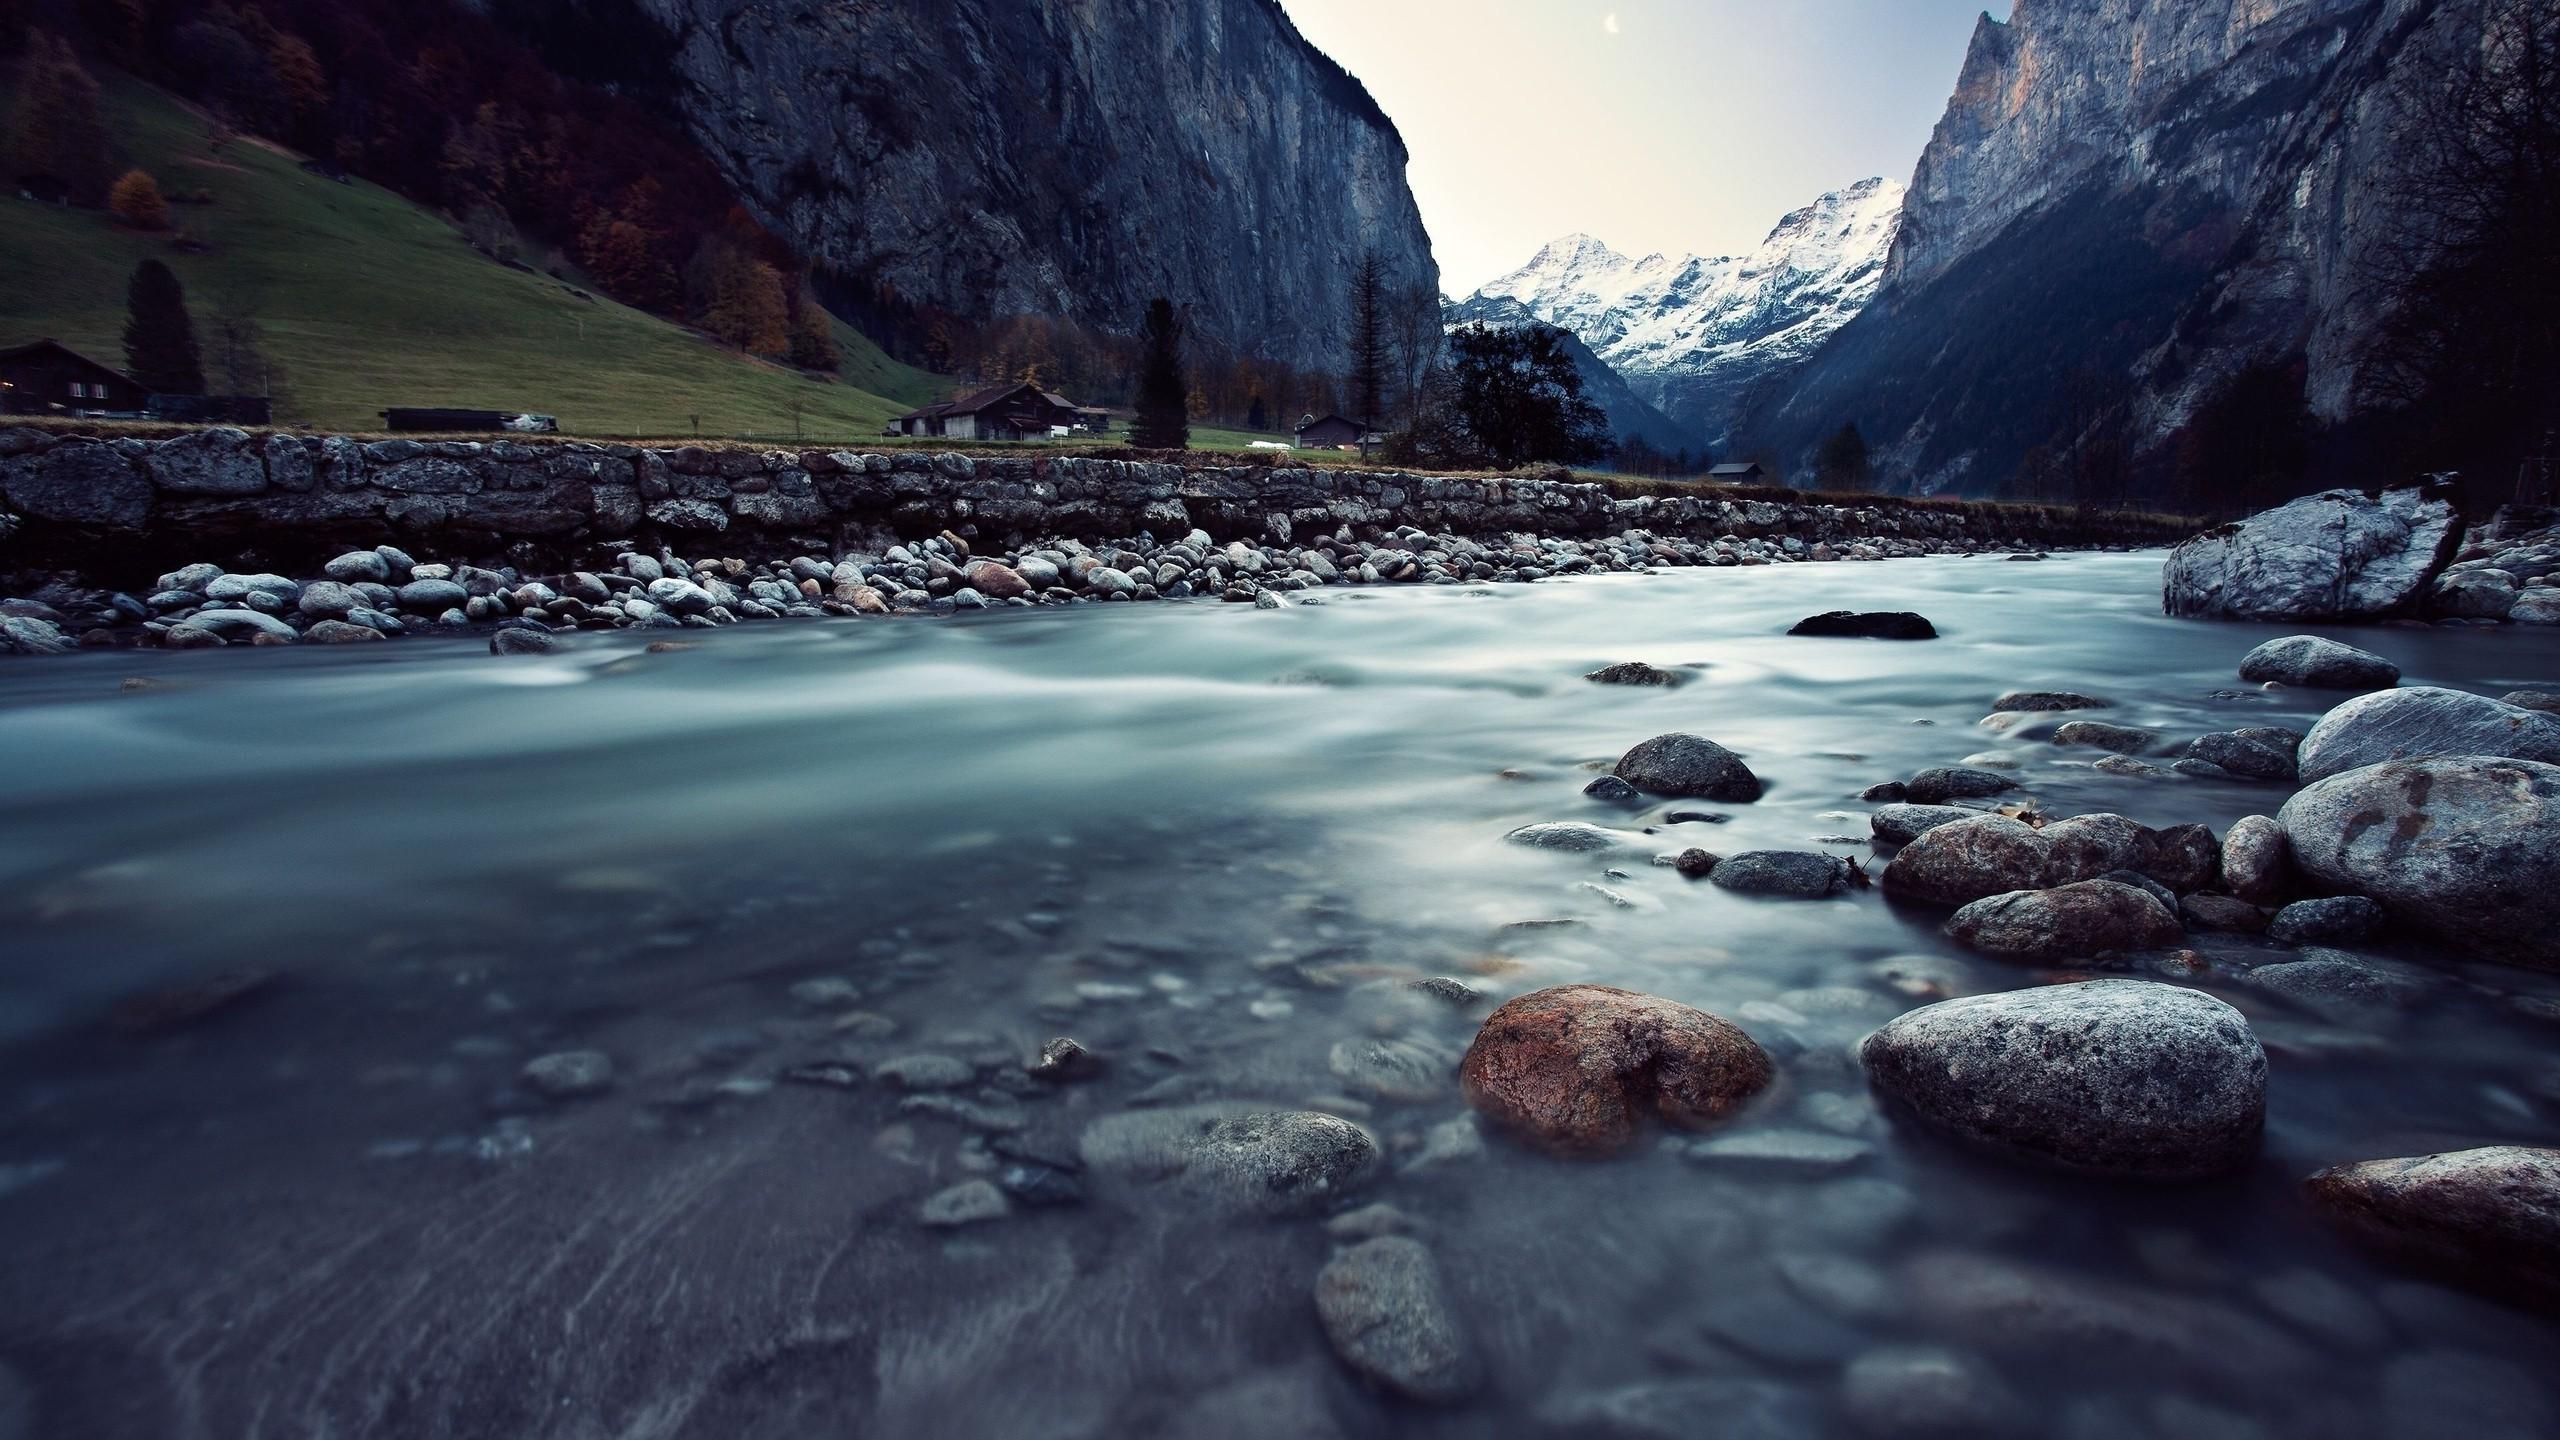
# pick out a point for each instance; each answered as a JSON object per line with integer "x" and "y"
{"x": 2122, "y": 739}
{"x": 2477, "y": 594}
{"x": 2546, "y": 701}
{"x": 2070, "y": 1317}
{"x": 1572, "y": 1068}
{"x": 1688, "y": 765}
{"x": 1965, "y": 860}
{"x": 1610, "y": 790}
{"x": 1391, "y": 1069}
{"x": 1634, "y": 672}
{"x": 970, "y": 1202}
{"x": 2331, "y": 920}
{"x": 2066, "y": 921}
{"x": 241, "y": 625}
{"x": 2465, "y": 847}
{"x": 1571, "y": 835}
{"x": 2045, "y": 700}
{"x": 1870, "y": 625}
{"x": 340, "y": 632}
{"x": 2257, "y": 862}
{"x": 2411, "y": 724}
{"x": 569, "y": 1074}
{"x": 2537, "y": 606}
{"x": 2221, "y": 912}
{"x": 1389, "y": 1318}
{"x": 330, "y": 600}
{"x": 1236, "y": 1157}
{"x": 1915, "y": 1391}
{"x": 2337, "y": 555}
{"x": 2123, "y": 1078}
{"x": 1943, "y": 783}
{"x": 996, "y": 582}
{"x": 20, "y": 635}
{"x": 1721, "y": 1406}
{"x": 2336, "y": 985}
{"x": 358, "y": 565}
{"x": 241, "y": 587}
{"x": 1902, "y": 824}
{"x": 1796, "y": 874}
{"x": 2309, "y": 660}
{"x": 2253, "y": 752}
{"x": 524, "y": 640}
{"x": 2183, "y": 857}
{"x": 2487, "y": 1217}
{"x": 431, "y": 597}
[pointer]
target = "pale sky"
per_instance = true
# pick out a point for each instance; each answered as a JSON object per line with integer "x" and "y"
{"x": 1684, "y": 126}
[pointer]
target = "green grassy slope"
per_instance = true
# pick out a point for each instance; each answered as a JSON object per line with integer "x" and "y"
{"x": 369, "y": 301}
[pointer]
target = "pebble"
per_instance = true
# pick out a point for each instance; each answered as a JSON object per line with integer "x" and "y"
{"x": 1063, "y": 1059}
{"x": 925, "y": 1072}
{"x": 971, "y": 1202}
{"x": 569, "y": 1074}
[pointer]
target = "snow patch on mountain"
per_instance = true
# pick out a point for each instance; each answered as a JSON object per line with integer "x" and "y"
{"x": 1697, "y": 333}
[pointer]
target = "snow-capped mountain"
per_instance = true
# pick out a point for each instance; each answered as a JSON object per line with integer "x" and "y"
{"x": 1695, "y": 335}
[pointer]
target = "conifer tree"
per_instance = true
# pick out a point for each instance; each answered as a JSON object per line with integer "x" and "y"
{"x": 159, "y": 339}
{"x": 58, "y": 128}
{"x": 1164, "y": 395}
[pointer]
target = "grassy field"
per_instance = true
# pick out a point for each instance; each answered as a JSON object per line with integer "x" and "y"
{"x": 369, "y": 301}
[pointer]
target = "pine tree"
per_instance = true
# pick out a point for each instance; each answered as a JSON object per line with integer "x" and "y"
{"x": 1368, "y": 357}
{"x": 1164, "y": 418}
{"x": 1842, "y": 463}
{"x": 159, "y": 338}
{"x": 59, "y": 128}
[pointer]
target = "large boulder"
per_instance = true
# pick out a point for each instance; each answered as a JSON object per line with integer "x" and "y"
{"x": 2067, "y": 921}
{"x": 1390, "y": 1319}
{"x": 2488, "y": 1217}
{"x": 2309, "y": 660}
{"x": 1689, "y": 766}
{"x": 2337, "y": 555}
{"x": 2123, "y": 1078}
{"x": 2477, "y": 594}
{"x": 1572, "y": 1069}
{"x": 1965, "y": 860}
{"x": 2257, "y": 862}
{"x": 2464, "y": 846}
{"x": 2412, "y": 724}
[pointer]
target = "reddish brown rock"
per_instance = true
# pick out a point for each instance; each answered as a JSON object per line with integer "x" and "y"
{"x": 1955, "y": 864}
{"x": 2487, "y": 1218}
{"x": 1572, "y": 1069}
{"x": 996, "y": 582}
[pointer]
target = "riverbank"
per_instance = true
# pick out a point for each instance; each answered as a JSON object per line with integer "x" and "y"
{"x": 218, "y": 536}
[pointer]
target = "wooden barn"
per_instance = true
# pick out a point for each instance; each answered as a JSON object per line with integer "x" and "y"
{"x": 1334, "y": 432}
{"x": 1747, "y": 472}
{"x": 50, "y": 378}
{"x": 1020, "y": 411}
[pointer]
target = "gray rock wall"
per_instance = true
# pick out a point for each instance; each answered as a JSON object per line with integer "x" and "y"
{"x": 220, "y": 491}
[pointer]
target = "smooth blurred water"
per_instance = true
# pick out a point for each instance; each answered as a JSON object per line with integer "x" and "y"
{"x": 1194, "y": 836}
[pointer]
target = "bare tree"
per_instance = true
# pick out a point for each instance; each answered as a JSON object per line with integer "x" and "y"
{"x": 236, "y": 353}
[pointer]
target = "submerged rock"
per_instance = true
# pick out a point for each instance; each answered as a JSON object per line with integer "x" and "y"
{"x": 1921, "y": 1391}
{"x": 569, "y": 1074}
{"x": 2067, "y": 921}
{"x": 2488, "y": 1218}
{"x": 1795, "y": 874}
{"x": 2464, "y": 847}
{"x": 1634, "y": 672}
{"x": 2416, "y": 723}
{"x": 1688, "y": 765}
{"x": 2337, "y": 555}
{"x": 970, "y": 1202}
{"x": 2122, "y": 739}
{"x": 2045, "y": 700}
{"x": 2331, "y": 920}
{"x": 2123, "y": 1078}
{"x": 1389, "y": 1318}
{"x": 518, "y": 640}
{"x": 1902, "y": 824}
{"x": 1573, "y": 1068}
{"x": 2309, "y": 660}
{"x": 1236, "y": 1157}
{"x": 1869, "y": 625}
{"x": 1569, "y": 835}
{"x": 1955, "y": 782}
{"x": 2253, "y": 752}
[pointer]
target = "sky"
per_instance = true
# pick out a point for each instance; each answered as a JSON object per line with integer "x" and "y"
{"x": 1683, "y": 126}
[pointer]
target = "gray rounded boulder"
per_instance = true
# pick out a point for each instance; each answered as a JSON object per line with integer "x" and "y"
{"x": 2065, "y": 922}
{"x": 2313, "y": 662}
{"x": 1688, "y": 765}
{"x": 2123, "y": 1078}
{"x": 2257, "y": 862}
{"x": 2465, "y": 847}
{"x": 1792, "y": 874}
{"x": 2412, "y": 724}
{"x": 1389, "y": 1318}
{"x": 2488, "y": 1217}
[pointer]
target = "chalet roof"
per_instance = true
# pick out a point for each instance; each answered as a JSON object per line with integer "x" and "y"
{"x": 987, "y": 399}
{"x": 38, "y": 349}
{"x": 1331, "y": 420}
{"x": 1747, "y": 467}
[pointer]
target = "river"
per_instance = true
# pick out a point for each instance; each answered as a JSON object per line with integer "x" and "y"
{"x": 1210, "y": 842}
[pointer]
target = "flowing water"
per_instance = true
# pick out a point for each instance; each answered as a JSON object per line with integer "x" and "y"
{"x": 1210, "y": 842}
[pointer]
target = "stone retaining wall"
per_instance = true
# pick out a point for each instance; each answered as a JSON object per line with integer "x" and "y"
{"x": 280, "y": 495}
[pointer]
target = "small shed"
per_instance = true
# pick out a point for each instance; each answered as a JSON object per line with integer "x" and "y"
{"x": 48, "y": 377}
{"x": 1334, "y": 432}
{"x": 1748, "y": 472}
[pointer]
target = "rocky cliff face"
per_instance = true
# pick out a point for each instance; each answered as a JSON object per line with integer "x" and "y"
{"x": 2170, "y": 190}
{"x": 1059, "y": 157}
{"x": 1695, "y": 335}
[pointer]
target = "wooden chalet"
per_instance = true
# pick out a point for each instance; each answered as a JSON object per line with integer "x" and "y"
{"x": 1020, "y": 411}
{"x": 50, "y": 378}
